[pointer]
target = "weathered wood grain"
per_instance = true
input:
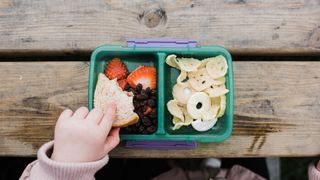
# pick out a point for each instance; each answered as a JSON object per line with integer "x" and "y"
{"x": 277, "y": 107}
{"x": 243, "y": 26}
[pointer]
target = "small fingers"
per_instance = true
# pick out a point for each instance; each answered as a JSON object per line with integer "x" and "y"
{"x": 67, "y": 113}
{"x": 81, "y": 113}
{"x": 95, "y": 116}
{"x": 112, "y": 140}
{"x": 108, "y": 117}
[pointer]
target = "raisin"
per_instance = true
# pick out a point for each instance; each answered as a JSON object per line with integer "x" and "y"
{"x": 136, "y": 105}
{"x": 141, "y": 97}
{"x": 144, "y": 103}
{"x": 140, "y": 114}
{"x": 153, "y": 92}
{"x": 154, "y": 112}
{"x": 151, "y": 103}
{"x": 146, "y": 121}
{"x": 144, "y": 108}
{"x": 134, "y": 92}
{"x": 152, "y": 115}
{"x": 135, "y": 101}
{"x": 139, "y": 88}
{"x": 148, "y": 90}
{"x": 144, "y": 93}
{"x": 139, "y": 109}
{"x": 151, "y": 129}
{"x": 138, "y": 124}
{"x": 154, "y": 121}
{"x": 141, "y": 129}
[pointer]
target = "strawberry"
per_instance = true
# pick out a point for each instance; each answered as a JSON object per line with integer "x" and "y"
{"x": 122, "y": 83}
{"x": 116, "y": 69}
{"x": 145, "y": 75}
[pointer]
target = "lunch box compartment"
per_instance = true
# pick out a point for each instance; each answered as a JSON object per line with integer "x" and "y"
{"x": 171, "y": 75}
{"x": 131, "y": 59}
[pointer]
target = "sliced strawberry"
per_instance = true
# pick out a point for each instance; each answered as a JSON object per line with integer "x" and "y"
{"x": 116, "y": 69}
{"x": 122, "y": 83}
{"x": 145, "y": 75}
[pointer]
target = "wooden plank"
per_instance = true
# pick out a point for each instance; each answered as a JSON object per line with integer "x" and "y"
{"x": 243, "y": 26}
{"x": 276, "y": 108}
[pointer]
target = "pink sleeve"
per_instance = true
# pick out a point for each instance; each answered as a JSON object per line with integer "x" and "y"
{"x": 314, "y": 173}
{"x": 45, "y": 168}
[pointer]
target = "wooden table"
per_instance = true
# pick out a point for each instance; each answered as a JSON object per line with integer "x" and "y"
{"x": 45, "y": 47}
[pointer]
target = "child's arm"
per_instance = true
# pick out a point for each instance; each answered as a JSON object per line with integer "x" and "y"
{"x": 314, "y": 171}
{"x": 80, "y": 148}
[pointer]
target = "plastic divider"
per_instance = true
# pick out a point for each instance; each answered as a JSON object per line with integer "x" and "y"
{"x": 161, "y": 103}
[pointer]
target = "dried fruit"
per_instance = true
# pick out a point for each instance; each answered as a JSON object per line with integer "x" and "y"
{"x": 148, "y": 90}
{"x": 174, "y": 109}
{"x": 139, "y": 87}
{"x": 146, "y": 121}
{"x": 197, "y": 104}
{"x": 141, "y": 96}
{"x": 200, "y": 79}
{"x": 171, "y": 60}
{"x": 216, "y": 90}
{"x": 223, "y": 105}
{"x": 212, "y": 112}
{"x": 183, "y": 79}
{"x": 151, "y": 129}
{"x": 217, "y": 67}
{"x": 145, "y": 106}
{"x": 148, "y": 110}
{"x": 188, "y": 64}
{"x": 182, "y": 93}
{"x": 199, "y": 92}
{"x": 151, "y": 103}
{"x": 201, "y": 126}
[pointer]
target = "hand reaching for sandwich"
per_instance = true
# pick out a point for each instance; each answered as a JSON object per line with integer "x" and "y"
{"x": 85, "y": 136}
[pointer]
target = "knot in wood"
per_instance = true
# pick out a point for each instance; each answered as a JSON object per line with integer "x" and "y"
{"x": 152, "y": 18}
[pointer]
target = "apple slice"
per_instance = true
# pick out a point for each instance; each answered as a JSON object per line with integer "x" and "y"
{"x": 201, "y": 126}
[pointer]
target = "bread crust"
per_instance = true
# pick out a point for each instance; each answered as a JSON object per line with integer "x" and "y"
{"x": 124, "y": 123}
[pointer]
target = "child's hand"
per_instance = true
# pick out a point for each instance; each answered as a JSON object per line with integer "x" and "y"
{"x": 84, "y": 136}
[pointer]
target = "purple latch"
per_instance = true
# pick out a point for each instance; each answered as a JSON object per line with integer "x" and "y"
{"x": 161, "y": 144}
{"x": 161, "y": 43}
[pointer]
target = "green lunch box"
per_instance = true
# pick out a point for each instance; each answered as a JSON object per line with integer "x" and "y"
{"x": 154, "y": 53}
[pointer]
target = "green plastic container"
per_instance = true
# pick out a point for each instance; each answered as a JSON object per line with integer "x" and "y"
{"x": 135, "y": 56}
